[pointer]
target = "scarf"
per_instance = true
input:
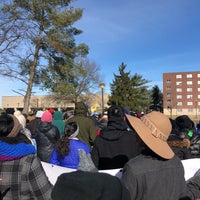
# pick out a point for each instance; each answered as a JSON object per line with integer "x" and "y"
{"x": 10, "y": 152}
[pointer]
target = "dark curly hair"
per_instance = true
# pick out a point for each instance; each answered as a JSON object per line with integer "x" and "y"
{"x": 63, "y": 146}
{"x": 63, "y": 143}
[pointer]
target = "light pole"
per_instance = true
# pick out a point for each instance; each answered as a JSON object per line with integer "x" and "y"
{"x": 102, "y": 85}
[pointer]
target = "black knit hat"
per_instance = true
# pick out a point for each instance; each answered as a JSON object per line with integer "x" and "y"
{"x": 116, "y": 118}
{"x": 81, "y": 185}
{"x": 116, "y": 113}
{"x": 184, "y": 122}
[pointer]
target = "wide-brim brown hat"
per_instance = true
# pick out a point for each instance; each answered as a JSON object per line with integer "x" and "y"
{"x": 154, "y": 129}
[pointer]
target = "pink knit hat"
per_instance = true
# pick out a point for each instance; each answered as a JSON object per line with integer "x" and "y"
{"x": 47, "y": 117}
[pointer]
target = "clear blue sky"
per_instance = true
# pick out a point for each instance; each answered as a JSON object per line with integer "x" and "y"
{"x": 150, "y": 37}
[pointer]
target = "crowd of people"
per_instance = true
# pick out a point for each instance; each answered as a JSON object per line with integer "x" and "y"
{"x": 148, "y": 148}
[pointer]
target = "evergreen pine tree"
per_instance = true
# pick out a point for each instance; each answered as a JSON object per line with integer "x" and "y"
{"x": 129, "y": 91}
{"x": 156, "y": 99}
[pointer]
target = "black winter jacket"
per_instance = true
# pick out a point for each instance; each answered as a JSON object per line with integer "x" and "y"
{"x": 113, "y": 148}
{"x": 47, "y": 136}
{"x": 33, "y": 125}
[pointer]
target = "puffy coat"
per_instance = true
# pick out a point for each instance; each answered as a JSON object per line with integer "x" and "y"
{"x": 72, "y": 159}
{"x": 47, "y": 136}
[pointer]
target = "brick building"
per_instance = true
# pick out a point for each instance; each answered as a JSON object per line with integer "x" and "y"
{"x": 181, "y": 94}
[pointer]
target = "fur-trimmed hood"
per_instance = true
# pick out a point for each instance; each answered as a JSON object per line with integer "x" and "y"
{"x": 185, "y": 143}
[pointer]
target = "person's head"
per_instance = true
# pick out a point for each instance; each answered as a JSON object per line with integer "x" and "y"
{"x": 116, "y": 113}
{"x": 39, "y": 114}
{"x": 80, "y": 109}
{"x": 58, "y": 115}
{"x": 116, "y": 117}
{"x": 47, "y": 117}
{"x": 153, "y": 129}
{"x": 184, "y": 122}
{"x": 9, "y": 126}
{"x": 18, "y": 114}
{"x": 51, "y": 110}
{"x": 71, "y": 130}
{"x": 185, "y": 127}
{"x": 10, "y": 111}
{"x": 83, "y": 185}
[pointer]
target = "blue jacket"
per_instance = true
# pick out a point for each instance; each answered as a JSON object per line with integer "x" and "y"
{"x": 72, "y": 159}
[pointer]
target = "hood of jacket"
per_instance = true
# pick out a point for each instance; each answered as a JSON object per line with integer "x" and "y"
{"x": 111, "y": 134}
{"x": 57, "y": 115}
{"x": 185, "y": 143}
{"x": 80, "y": 109}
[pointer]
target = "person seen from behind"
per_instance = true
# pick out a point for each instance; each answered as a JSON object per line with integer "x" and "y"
{"x": 87, "y": 183}
{"x": 33, "y": 124}
{"x": 22, "y": 120}
{"x": 87, "y": 128}
{"x": 21, "y": 172}
{"x": 116, "y": 143}
{"x": 66, "y": 151}
{"x": 178, "y": 142}
{"x": 59, "y": 122}
{"x": 47, "y": 136}
{"x": 157, "y": 173}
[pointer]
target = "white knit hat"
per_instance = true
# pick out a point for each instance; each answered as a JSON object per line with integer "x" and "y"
{"x": 20, "y": 117}
{"x": 39, "y": 113}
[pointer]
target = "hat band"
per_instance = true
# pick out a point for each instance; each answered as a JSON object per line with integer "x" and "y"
{"x": 154, "y": 131}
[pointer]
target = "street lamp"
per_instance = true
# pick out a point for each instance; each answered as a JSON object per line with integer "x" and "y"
{"x": 102, "y": 85}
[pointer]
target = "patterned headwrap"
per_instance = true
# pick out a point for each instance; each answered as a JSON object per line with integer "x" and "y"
{"x": 16, "y": 128}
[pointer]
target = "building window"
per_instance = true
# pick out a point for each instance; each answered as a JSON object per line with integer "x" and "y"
{"x": 179, "y": 103}
{"x": 189, "y": 75}
{"x": 189, "y": 82}
{"x": 168, "y": 101}
{"x": 198, "y": 89}
{"x": 168, "y": 95}
{"x": 189, "y": 89}
{"x": 168, "y": 87}
{"x": 168, "y": 81}
{"x": 179, "y": 96}
{"x": 189, "y": 96}
{"x": 190, "y": 110}
{"x": 179, "y": 89}
{"x": 198, "y": 82}
{"x": 198, "y": 75}
{"x": 178, "y": 76}
{"x": 189, "y": 103}
{"x": 198, "y": 96}
{"x": 178, "y": 83}
{"x": 179, "y": 110}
